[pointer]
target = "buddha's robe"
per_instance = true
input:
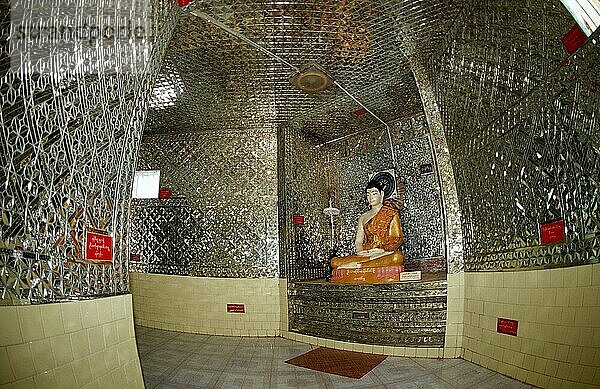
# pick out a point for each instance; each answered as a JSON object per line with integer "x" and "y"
{"x": 382, "y": 231}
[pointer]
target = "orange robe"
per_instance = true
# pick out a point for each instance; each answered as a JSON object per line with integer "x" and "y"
{"x": 382, "y": 231}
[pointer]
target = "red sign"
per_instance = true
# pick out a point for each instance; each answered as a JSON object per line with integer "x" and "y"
{"x": 507, "y": 326}
{"x": 183, "y": 3}
{"x": 573, "y": 39}
{"x": 135, "y": 257}
{"x": 235, "y": 308}
{"x": 298, "y": 219}
{"x": 360, "y": 112}
{"x": 552, "y": 232}
{"x": 164, "y": 193}
{"x": 98, "y": 246}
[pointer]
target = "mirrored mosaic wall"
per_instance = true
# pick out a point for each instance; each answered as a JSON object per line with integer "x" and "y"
{"x": 397, "y": 314}
{"x": 522, "y": 124}
{"x": 75, "y": 79}
{"x": 215, "y": 78}
{"x": 334, "y": 174}
{"x": 303, "y": 191}
{"x": 221, "y": 220}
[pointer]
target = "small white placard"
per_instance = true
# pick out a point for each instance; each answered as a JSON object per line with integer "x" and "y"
{"x": 146, "y": 184}
{"x": 410, "y": 275}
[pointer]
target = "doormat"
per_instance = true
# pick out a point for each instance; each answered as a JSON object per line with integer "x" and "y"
{"x": 345, "y": 363}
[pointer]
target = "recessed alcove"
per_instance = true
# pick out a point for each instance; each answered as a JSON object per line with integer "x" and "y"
{"x": 334, "y": 174}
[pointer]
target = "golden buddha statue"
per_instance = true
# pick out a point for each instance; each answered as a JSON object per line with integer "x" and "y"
{"x": 378, "y": 235}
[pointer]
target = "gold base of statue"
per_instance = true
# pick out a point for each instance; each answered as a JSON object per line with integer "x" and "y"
{"x": 367, "y": 275}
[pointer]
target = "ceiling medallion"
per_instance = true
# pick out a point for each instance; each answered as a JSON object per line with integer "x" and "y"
{"x": 312, "y": 79}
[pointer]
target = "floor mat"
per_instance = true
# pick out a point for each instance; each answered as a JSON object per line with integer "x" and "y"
{"x": 345, "y": 363}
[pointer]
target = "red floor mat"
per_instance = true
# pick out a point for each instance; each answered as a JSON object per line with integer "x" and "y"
{"x": 345, "y": 363}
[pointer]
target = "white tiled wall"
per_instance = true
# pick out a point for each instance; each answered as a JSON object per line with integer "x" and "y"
{"x": 83, "y": 344}
{"x": 558, "y": 310}
{"x": 455, "y": 316}
{"x": 198, "y": 304}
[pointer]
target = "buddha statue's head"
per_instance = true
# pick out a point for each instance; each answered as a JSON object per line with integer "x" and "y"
{"x": 375, "y": 193}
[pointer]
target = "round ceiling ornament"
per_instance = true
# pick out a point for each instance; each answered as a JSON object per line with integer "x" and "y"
{"x": 312, "y": 79}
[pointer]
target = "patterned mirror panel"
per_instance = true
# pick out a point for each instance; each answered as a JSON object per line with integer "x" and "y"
{"x": 335, "y": 174}
{"x": 522, "y": 124}
{"x": 221, "y": 218}
{"x": 75, "y": 79}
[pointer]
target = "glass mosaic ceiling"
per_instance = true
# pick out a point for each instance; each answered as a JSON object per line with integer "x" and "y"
{"x": 211, "y": 79}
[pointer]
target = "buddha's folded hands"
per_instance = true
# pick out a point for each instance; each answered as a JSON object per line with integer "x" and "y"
{"x": 351, "y": 265}
{"x": 373, "y": 253}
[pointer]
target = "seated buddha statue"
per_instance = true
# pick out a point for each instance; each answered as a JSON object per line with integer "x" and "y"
{"x": 378, "y": 235}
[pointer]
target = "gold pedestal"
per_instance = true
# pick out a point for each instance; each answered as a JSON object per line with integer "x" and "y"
{"x": 367, "y": 275}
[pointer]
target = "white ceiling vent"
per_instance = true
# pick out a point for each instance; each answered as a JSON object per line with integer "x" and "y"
{"x": 312, "y": 79}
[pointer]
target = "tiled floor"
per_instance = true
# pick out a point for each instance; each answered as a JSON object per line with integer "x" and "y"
{"x": 179, "y": 360}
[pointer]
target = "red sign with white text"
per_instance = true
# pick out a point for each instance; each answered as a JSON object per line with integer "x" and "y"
{"x": 98, "y": 247}
{"x": 236, "y": 308}
{"x": 552, "y": 232}
{"x": 360, "y": 112}
{"x": 164, "y": 193}
{"x": 507, "y": 326}
{"x": 298, "y": 219}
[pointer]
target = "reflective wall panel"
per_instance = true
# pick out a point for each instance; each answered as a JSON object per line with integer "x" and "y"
{"x": 303, "y": 191}
{"x": 335, "y": 174}
{"x": 522, "y": 124}
{"x": 353, "y": 160}
{"x": 397, "y": 314}
{"x": 221, "y": 220}
{"x": 75, "y": 78}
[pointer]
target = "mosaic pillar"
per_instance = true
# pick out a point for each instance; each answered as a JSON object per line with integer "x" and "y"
{"x": 74, "y": 84}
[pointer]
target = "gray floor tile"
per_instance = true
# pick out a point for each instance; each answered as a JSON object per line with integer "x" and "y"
{"x": 367, "y": 381}
{"x": 182, "y": 375}
{"x": 223, "y": 340}
{"x": 257, "y": 380}
{"x": 230, "y": 380}
{"x": 464, "y": 375}
{"x": 499, "y": 381}
{"x": 429, "y": 381}
{"x": 437, "y": 364}
{"x": 211, "y": 362}
{"x": 205, "y": 378}
{"x": 195, "y": 338}
{"x": 398, "y": 369}
{"x": 191, "y": 361}
{"x": 282, "y": 380}
{"x": 174, "y": 385}
{"x": 280, "y": 367}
